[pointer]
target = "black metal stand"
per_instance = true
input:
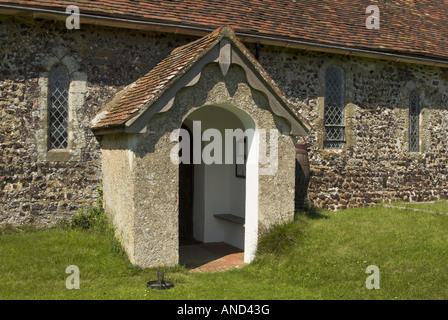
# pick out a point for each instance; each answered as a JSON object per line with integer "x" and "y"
{"x": 160, "y": 283}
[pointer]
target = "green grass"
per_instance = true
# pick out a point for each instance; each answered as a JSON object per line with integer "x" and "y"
{"x": 321, "y": 255}
{"x": 439, "y": 207}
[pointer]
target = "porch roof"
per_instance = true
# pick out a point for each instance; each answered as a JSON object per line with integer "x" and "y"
{"x": 137, "y": 97}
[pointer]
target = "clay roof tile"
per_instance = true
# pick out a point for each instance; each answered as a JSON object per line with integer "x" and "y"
{"x": 418, "y": 28}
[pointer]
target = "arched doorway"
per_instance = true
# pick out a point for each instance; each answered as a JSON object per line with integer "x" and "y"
{"x": 218, "y": 197}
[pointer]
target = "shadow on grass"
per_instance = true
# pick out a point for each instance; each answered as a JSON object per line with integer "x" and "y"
{"x": 313, "y": 213}
{"x": 278, "y": 239}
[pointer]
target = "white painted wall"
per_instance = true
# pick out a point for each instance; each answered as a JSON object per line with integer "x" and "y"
{"x": 251, "y": 182}
{"x": 217, "y": 190}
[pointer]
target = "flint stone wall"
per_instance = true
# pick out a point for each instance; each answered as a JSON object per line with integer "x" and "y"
{"x": 43, "y": 187}
{"x": 375, "y": 165}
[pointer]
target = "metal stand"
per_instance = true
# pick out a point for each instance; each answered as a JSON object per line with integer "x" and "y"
{"x": 160, "y": 283}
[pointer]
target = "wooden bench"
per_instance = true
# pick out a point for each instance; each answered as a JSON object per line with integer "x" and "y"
{"x": 230, "y": 218}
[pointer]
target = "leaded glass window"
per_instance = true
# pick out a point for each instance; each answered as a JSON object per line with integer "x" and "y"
{"x": 414, "y": 122}
{"x": 59, "y": 82}
{"x": 334, "y": 108}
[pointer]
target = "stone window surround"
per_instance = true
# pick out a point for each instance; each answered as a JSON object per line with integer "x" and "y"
{"x": 77, "y": 89}
{"x": 349, "y": 109}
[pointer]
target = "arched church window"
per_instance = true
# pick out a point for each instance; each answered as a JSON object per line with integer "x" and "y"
{"x": 59, "y": 82}
{"x": 334, "y": 108}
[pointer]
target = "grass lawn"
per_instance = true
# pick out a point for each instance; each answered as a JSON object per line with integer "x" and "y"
{"x": 321, "y": 255}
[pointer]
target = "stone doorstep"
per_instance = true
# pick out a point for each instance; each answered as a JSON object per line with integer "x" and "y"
{"x": 215, "y": 257}
{"x": 225, "y": 263}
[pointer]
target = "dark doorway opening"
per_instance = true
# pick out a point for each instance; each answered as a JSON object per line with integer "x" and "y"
{"x": 186, "y": 186}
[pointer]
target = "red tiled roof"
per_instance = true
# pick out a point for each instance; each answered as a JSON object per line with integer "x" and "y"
{"x": 137, "y": 96}
{"x": 411, "y": 27}
{"x": 146, "y": 89}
